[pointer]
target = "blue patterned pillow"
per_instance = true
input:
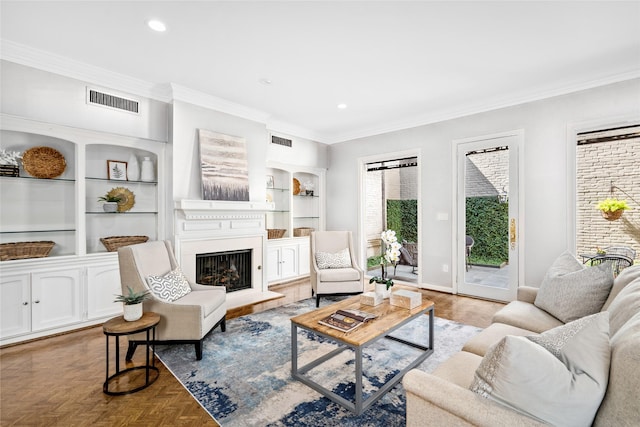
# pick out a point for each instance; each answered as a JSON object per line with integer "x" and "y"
{"x": 170, "y": 287}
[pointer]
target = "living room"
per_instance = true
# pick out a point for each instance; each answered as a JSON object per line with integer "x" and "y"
{"x": 46, "y": 85}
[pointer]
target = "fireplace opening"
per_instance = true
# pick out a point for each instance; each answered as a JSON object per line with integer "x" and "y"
{"x": 231, "y": 269}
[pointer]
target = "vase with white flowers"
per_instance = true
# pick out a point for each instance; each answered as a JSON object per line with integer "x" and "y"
{"x": 9, "y": 162}
{"x": 390, "y": 257}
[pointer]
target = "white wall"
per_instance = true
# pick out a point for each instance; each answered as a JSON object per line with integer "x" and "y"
{"x": 547, "y": 182}
{"x": 188, "y": 118}
{"x": 52, "y": 98}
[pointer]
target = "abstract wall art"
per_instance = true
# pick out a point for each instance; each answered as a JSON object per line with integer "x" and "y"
{"x": 224, "y": 167}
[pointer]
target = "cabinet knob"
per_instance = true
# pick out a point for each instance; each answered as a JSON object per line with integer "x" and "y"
{"x": 25, "y": 303}
{"x": 259, "y": 267}
{"x": 37, "y": 301}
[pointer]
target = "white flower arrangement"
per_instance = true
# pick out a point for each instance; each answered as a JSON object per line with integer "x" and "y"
{"x": 9, "y": 157}
{"x": 391, "y": 255}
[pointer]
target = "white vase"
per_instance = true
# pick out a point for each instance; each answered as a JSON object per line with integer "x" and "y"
{"x": 381, "y": 289}
{"x": 133, "y": 168}
{"x": 147, "y": 174}
{"x": 132, "y": 312}
{"x": 110, "y": 206}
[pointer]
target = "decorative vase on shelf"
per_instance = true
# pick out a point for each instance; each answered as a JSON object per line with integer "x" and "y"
{"x": 110, "y": 206}
{"x": 147, "y": 173}
{"x": 133, "y": 168}
{"x": 132, "y": 312}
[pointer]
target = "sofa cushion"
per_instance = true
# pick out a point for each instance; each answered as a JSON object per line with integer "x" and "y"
{"x": 338, "y": 275}
{"x": 459, "y": 368}
{"x": 208, "y": 300}
{"x": 480, "y": 343}
{"x": 169, "y": 287}
{"x": 627, "y": 276}
{"x": 340, "y": 259}
{"x": 569, "y": 292}
{"x": 558, "y": 377}
{"x": 526, "y": 316}
{"x": 624, "y": 307}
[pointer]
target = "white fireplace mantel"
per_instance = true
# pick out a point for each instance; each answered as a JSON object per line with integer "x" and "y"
{"x": 187, "y": 206}
{"x": 213, "y": 225}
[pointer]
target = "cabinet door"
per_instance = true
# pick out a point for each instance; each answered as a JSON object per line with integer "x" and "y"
{"x": 103, "y": 282}
{"x": 55, "y": 297}
{"x": 273, "y": 264}
{"x": 304, "y": 258}
{"x": 289, "y": 261}
{"x": 16, "y": 310}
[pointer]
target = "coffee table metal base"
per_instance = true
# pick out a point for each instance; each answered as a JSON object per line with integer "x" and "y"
{"x": 359, "y": 405}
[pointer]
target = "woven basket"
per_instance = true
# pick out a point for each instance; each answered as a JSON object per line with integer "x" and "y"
{"x": 24, "y": 250}
{"x": 112, "y": 243}
{"x": 275, "y": 233}
{"x": 612, "y": 216}
{"x": 302, "y": 231}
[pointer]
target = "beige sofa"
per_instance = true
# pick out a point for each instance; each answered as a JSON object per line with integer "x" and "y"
{"x": 444, "y": 398}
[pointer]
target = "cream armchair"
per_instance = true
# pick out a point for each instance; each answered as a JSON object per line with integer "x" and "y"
{"x": 187, "y": 319}
{"x": 333, "y": 274}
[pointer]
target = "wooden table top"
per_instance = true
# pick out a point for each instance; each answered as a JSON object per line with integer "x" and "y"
{"x": 119, "y": 326}
{"x": 389, "y": 316}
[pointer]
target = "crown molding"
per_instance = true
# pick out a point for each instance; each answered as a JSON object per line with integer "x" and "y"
{"x": 192, "y": 96}
{"x": 57, "y": 64}
{"x": 471, "y": 109}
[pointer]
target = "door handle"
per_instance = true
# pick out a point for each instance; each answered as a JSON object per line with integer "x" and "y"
{"x": 512, "y": 233}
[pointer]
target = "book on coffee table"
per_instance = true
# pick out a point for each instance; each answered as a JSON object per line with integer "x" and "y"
{"x": 347, "y": 320}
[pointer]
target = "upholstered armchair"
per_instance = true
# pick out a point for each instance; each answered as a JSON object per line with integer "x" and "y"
{"x": 188, "y": 311}
{"x": 334, "y": 270}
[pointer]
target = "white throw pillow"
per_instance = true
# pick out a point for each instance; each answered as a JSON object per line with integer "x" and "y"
{"x": 570, "y": 291}
{"x": 340, "y": 259}
{"x": 170, "y": 287}
{"x": 558, "y": 377}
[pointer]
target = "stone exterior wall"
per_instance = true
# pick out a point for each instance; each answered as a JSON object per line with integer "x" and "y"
{"x": 599, "y": 166}
{"x": 487, "y": 174}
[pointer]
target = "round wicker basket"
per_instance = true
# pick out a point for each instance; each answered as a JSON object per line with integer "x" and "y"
{"x": 44, "y": 162}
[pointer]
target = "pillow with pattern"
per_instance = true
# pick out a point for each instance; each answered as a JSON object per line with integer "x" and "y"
{"x": 170, "y": 287}
{"x": 341, "y": 259}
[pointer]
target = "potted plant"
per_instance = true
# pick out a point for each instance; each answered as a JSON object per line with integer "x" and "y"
{"x": 612, "y": 209}
{"x": 110, "y": 202}
{"x": 9, "y": 162}
{"x": 391, "y": 255}
{"x": 132, "y": 304}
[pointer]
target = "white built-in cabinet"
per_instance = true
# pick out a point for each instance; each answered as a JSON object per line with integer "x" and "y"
{"x": 296, "y": 198}
{"x": 75, "y": 285}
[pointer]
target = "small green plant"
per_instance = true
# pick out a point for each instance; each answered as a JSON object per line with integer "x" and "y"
{"x": 109, "y": 198}
{"x": 612, "y": 205}
{"x": 132, "y": 297}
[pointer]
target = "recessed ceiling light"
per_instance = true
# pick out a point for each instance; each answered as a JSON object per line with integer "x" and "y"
{"x": 156, "y": 25}
{"x": 266, "y": 82}
{"x": 342, "y": 106}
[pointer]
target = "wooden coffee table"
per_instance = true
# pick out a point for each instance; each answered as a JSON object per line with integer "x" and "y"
{"x": 390, "y": 318}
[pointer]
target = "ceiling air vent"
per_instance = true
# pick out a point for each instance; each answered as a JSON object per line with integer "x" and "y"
{"x": 281, "y": 141}
{"x": 104, "y": 99}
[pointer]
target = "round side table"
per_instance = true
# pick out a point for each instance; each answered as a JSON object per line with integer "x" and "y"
{"x": 118, "y": 327}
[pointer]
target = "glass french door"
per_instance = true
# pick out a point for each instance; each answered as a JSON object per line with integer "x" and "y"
{"x": 487, "y": 216}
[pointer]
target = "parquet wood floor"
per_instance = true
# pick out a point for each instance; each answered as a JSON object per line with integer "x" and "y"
{"x": 57, "y": 381}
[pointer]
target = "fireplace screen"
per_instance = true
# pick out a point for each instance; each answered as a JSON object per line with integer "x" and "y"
{"x": 231, "y": 269}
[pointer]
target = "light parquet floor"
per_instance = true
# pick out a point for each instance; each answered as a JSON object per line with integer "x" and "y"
{"x": 57, "y": 381}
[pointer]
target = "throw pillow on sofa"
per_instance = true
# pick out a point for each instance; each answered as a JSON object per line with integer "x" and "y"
{"x": 570, "y": 291}
{"x": 558, "y": 377}
{"x": 341, "y": 259}
{"x": 171, "y": 286}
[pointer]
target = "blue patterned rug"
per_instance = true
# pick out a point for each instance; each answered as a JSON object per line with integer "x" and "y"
{"x": 244, "y": 377}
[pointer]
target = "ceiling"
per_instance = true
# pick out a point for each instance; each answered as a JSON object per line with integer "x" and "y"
{"x": 395, "y": 64}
